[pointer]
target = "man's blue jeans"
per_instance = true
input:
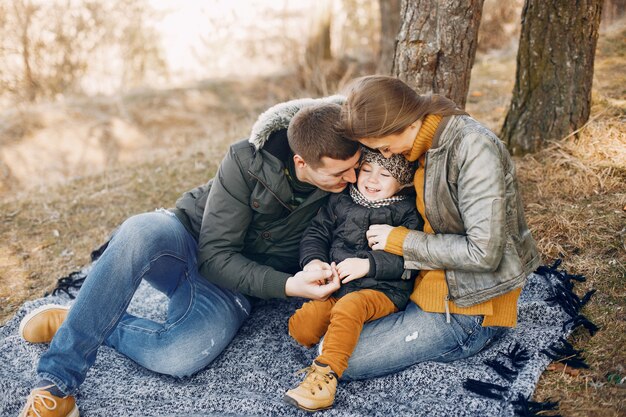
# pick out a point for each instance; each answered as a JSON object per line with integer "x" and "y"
{"x": 202, "y": 318}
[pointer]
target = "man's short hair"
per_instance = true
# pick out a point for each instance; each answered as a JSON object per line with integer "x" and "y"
{"x": 313, "y": 133}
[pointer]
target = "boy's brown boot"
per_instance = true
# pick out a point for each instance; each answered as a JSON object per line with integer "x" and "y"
{"x": 41, "y": 324}
{"x": 40, "y": 403}
{"x": 317, "y": 391}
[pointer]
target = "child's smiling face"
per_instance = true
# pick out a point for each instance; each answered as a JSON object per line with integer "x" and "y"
{"x": 375, "y": 182}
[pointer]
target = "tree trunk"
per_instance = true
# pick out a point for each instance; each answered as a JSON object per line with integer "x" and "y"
{"x": 437, "y": 45}
{"x": 389, "y": 27}
{"x": 552, "y": 93}
{"x": 612, "y": 11}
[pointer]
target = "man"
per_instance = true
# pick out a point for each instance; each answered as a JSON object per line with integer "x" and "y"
{"x": 230, "y": 241}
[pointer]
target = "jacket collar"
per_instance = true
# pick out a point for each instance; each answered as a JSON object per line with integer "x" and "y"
{"x": 439, "y": 132}
{"x": 278, "y": 117}
{"x": 271, "y": 129}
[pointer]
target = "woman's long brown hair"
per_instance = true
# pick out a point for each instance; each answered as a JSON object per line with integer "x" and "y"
{"x": 378, "y": 106}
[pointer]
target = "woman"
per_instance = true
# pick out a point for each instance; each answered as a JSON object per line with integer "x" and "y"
{"x": 475, "y": 251}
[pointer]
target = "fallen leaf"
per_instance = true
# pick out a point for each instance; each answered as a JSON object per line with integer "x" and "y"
{"x": 559, "y": 367}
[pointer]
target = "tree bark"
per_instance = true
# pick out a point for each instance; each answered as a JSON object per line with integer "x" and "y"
{"x": 437, "y": 45}
{"x": 389, "y": 28}
{"x": 552, "y": 93}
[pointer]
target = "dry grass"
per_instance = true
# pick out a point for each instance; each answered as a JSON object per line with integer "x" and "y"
{"x": 574, "y": 191}
{"x": 575, "y": 195}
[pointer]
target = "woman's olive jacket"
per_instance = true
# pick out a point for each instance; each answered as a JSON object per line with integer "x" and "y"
{"x": 474, "y": 206}
{"x": 338, "y": 233}
{"x": 248, "y": 235}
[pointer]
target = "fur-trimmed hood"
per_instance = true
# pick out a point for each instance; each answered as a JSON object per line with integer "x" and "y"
{"x": 279, "y": 116}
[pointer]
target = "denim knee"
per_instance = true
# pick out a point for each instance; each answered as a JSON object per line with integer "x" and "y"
{"x": 179, "y": 360}
{"x": 149, "y": 233}
{"x": 145, "y": 228}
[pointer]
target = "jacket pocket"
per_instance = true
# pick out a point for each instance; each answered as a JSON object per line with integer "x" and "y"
{"x": 262, "y": 201}
{"x": 476, "y": 287}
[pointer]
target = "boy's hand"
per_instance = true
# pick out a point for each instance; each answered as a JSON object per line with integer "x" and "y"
{"x": 352, "y": 268}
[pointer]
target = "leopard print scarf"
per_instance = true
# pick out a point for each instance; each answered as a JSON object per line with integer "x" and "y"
{"x": 360, "y": 199}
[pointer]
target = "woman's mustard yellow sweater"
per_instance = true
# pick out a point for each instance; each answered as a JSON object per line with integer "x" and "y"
{"x": 431, "y": 290}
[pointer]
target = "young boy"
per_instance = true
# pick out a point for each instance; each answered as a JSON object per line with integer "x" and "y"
{"x": 374, "y": 283}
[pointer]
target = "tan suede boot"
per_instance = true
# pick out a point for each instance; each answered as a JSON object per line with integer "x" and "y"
{"x": 40, "y": 403}
{"x": 317, "y": 391}
{"x": 41, "y": 324}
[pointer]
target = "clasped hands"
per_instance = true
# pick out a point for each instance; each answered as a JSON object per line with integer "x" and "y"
{"x": 318, "y": 279}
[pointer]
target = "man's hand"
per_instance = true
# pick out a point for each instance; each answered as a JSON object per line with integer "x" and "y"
{"x": 377, "y": 236}
{"x": 317, "y": 265}
{"x": 352, "y": 268}
{"x": 306, "y": 284}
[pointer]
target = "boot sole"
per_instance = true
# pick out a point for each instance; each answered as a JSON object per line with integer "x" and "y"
{"x": 295, "y": 403}
{"x": 35, "y": 312}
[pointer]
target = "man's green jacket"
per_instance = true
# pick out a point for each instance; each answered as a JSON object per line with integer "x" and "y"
{"x": 248, "y": 235}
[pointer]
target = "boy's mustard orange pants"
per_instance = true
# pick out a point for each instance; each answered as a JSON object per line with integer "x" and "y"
{"x": 341, "y": 319}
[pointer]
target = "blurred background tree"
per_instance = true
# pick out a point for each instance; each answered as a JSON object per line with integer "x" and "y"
{"x": 390, "y": 21}
{"x": 47, "y": 48}
{"x": 612, "y": 10}
{"x": 51, "y": 50}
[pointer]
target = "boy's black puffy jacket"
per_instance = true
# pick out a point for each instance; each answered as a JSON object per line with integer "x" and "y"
{"x": 338, "y": 233}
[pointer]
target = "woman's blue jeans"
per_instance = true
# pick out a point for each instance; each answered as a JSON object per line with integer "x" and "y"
{"x": 202, "y": 318}
{"x": 402, "y": 339}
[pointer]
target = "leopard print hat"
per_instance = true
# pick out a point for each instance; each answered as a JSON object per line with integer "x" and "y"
{"x": 397, "y": 165}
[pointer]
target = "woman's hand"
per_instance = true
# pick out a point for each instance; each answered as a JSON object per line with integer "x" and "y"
{"x": 353, "y": 268}
{"x": 377, "y": 236}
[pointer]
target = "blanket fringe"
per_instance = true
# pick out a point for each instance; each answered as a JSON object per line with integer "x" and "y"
{"x": 504, "y": 371}
{"x": 97, "y": 253}
{"x": 73, "y": 280}
{"x": 525, "y": 408}
{"x": 485, "y": 389}
{"x": 563, "y": 295}
{"x": 561, "y": 275}
{"x": 581, "y": 320}
{"x": 518, "y": 355}
{"x": 563, "y": 351}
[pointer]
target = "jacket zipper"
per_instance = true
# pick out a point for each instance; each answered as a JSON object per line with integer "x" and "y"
{"x": 270, "y": 190}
